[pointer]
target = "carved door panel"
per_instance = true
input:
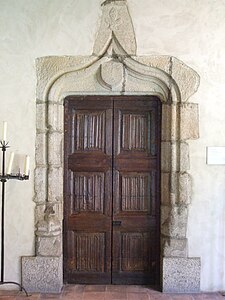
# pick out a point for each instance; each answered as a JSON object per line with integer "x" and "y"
{"x": 136, "y": 191}
{"x": 111, "y": 190}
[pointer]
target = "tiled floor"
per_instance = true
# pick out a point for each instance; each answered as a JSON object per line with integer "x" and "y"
{"x": 109, "y": 292}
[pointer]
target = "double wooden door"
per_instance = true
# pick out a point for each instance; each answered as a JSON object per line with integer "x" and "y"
{"x": 111, "y": 190}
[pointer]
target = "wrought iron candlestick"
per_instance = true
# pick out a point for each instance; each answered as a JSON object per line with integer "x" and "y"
{"x": 4, "y": 178}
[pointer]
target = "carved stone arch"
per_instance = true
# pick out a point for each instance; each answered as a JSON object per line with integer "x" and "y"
{"x": 114, "y": 69}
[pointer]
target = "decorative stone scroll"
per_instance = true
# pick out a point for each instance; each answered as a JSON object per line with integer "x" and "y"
{"x": 114, "y": 69}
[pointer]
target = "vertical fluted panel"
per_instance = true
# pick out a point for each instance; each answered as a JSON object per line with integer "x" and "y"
{"x": 88, "y": 252}
{"x": 135, "y": 132}
{"x": 135, "y": 192}
{"x": 88, "y": 191}
{"x": 89, "y": 129}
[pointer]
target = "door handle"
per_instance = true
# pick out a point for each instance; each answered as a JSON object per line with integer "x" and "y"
{"x": 116, "y": 223}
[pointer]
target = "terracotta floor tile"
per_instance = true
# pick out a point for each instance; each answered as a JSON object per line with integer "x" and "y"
{"x": 93, "y": 296}
{"x": 160, "y": 296}
{"x": 181, "y": 297}
{"x": 31, "y": 297}
{"x": 108, "y": 292}
{"x": 73, "y": 292}
{"x": 50, "y": 296}
{"x": 198, "y": 297}
{"x": 72, "y": 295}
{"x": 138, "y": 296}
{"x": 140, "y": 288}
{"x": 95, "y": 288}
{"x": 9, "y": 292}
{"x": 207, "y": 296}
{"x": 75, "y": 288}
{"x": 115, "y": 296}
{"x": 9, "y": 297}
{"x": 116, "y": 288}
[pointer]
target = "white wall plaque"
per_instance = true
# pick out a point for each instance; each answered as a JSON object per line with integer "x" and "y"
{"x": 215, "y": 156}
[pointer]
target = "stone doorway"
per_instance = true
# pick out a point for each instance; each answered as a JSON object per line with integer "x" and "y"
{"x": 114, "y": 69}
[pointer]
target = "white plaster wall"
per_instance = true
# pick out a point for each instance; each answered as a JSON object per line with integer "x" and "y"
{"x": 192, "y": 30}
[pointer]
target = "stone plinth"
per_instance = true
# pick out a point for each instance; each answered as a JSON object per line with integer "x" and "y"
{"x": 42, "y": 274}
{"x": 181, "y": 275}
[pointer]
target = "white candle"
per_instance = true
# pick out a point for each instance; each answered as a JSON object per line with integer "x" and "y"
{"x": 4, "y": 130}
{"x": 27, "y": 166}
{"x": 10, "y": 163}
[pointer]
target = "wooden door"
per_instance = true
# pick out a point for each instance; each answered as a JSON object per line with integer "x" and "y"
{"x": 136, "y": 191}
{"x": 88, "y": 190}
{"x": 111, "y": 190}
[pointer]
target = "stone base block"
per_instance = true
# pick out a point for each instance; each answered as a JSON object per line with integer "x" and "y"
{"x": 181, "y": 275}
{"x": 42, "y": 274}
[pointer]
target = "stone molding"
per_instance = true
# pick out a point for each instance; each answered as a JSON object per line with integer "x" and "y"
{"x": 113, "y": 69}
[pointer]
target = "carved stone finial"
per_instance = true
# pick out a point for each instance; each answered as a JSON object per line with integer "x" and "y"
{"x": 110, "y": 1}
{"x": 116, "y": 21}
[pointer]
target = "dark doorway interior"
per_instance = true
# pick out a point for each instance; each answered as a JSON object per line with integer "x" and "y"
{"x": 112, "y": 190}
